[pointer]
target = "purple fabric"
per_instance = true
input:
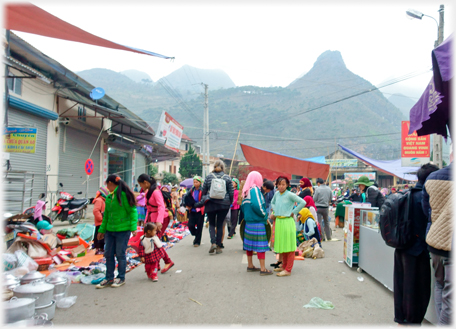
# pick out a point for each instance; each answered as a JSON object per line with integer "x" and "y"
{"x": 392, "y": 167}
{"x": 426, "y": 105}
{"x": 442, "y": 59}
{"x": 431, "y": 114}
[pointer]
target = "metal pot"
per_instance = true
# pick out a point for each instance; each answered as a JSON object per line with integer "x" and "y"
{"x": 18, "y": 309}
{"x": 48, "y": 309}
{"x": 61, "y": 285}
{"x": 42, "y": 290}
{"x": 32, "y": 276}
{"x": 38, "y": 320}
{"x": 11, "y": 283}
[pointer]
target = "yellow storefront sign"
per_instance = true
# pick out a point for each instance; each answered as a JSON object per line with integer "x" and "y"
{"x": 19, "y": 140}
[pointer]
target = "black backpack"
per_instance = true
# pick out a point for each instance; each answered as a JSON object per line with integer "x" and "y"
{"x": 396, "y": 224}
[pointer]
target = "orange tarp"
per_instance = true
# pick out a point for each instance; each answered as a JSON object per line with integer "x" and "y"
{"x": 282, "y": 163}
{"x": 80, "y": 261}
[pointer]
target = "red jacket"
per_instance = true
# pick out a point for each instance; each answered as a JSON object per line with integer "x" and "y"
{"x": 98, "y": 210}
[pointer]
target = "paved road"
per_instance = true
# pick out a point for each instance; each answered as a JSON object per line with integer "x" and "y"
{"x": 231, "y": 296}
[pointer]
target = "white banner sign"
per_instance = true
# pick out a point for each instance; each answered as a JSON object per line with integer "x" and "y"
{"x": 171, "y": 130}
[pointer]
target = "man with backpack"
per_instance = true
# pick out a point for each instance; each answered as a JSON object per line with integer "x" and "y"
{"x": 438, "y": 207}
{"x": 412, "y": 272}
{"x": 372, "y": 193}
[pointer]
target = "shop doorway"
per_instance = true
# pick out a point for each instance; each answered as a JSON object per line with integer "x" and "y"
{"x": 119, "y": 164}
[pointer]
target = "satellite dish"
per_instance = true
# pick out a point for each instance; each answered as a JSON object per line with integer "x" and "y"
{"x": 97, "y": 93}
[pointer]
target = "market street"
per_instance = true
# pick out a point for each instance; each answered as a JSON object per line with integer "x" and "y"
{"x": 229, "y": 295}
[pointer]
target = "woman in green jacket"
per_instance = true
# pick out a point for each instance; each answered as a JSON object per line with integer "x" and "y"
{"x": 120, "y": 219}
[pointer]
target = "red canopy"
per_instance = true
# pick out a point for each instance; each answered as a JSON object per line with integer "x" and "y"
{"x": 266, "y": 173}
{"x": 284, "y": 164}
{"x": 25, "y": 17}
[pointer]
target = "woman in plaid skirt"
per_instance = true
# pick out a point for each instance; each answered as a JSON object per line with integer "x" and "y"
{"x": 151, "y": 251}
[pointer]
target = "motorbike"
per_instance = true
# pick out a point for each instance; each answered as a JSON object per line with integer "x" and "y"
{"x": 69, "y": 208}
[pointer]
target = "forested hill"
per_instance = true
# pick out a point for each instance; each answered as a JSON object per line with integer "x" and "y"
{"x": 328, "y": 105}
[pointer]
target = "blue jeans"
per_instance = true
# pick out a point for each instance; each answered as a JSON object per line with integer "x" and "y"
{"x": 116, "y": 245}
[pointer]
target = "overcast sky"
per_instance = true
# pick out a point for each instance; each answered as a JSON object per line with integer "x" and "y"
{"x": 255, "y": 43}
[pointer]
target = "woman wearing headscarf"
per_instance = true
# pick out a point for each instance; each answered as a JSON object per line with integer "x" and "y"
{"x": 255, "y": 217}
{"x": 98, "y": 210}
{"x": 307, "y": 189}
{"x": 234, "y": 208}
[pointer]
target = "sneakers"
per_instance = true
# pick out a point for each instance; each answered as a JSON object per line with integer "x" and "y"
{"x": 103, "y": 284}
{"x": 117, "y": 283}
{"x": 154, "y": 277}
{"x": 167, "y": 267}
{"x": 219, "y": 250}
{"x": 213, "y": 247}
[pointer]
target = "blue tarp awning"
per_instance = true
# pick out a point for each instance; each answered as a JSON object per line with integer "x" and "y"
{"x": 391, "y": 167}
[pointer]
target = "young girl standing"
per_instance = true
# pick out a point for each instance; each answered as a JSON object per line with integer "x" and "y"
{"x": 256, "y": 217}
{"x": 151, "y": 251}
{"x": 98, "y": 210}
{"x": 156, "y": 211}
{"x": 120, "y": 220}
{"x": 196, "y": 214}
{"x": 141, "y": 207}
{"x": 234, "y": 209}
{"x": 285, "y": 229}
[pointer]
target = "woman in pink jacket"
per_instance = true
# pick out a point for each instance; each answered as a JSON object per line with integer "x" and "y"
{"x": 156, "y": 211}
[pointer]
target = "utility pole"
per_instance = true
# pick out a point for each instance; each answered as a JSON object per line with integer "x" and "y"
{"x": 438, "y": 138}
{"x": 206, "y": 134}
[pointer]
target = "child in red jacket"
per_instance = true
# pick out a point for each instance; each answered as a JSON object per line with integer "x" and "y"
{"x": 98, "y": 210}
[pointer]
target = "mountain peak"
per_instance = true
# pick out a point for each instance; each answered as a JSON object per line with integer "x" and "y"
{"x": 330, "y": 58}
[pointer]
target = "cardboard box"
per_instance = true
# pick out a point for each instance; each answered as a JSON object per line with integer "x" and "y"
{"x": 55, "y": 251}
{"x": 78, "y": 250}
{"x": 64, "y": 258}
{"x": 70, "y": 242}
{"x": 50, "y": 240}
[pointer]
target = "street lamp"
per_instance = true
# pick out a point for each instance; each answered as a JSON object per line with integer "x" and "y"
{"x": 437, "y": 145}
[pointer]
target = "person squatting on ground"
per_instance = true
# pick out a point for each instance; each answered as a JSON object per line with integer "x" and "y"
{"x": 322, "y": 198}
{"x": 120, "y": 220}
{"x": 255, "y": 217}
{"x": 98, "y": 210}
{"x": 234, "y": 208}
{"x": 196, "y": 218}
{"x": 156, "y": 212}
{"x": 438, "y": 206}
{"x": 216, "y": 209}
{"x": 151, "y": 250}
{"x": 285, "y": 229}
{"x": 412, "y": 270}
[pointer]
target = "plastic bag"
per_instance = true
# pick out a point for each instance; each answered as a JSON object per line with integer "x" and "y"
{"x": 23, "y": 260}
{"x": 18, "y": 272}
{"x": 9, "y": 261}
{"x": 317, "y": 302}
{"x": 36, "y": 251}
{"x": 85, "y": 231}
{"x": 89, "y": 278}
{"x": 308, "y": 252}
{"x": 67, "y": 302}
